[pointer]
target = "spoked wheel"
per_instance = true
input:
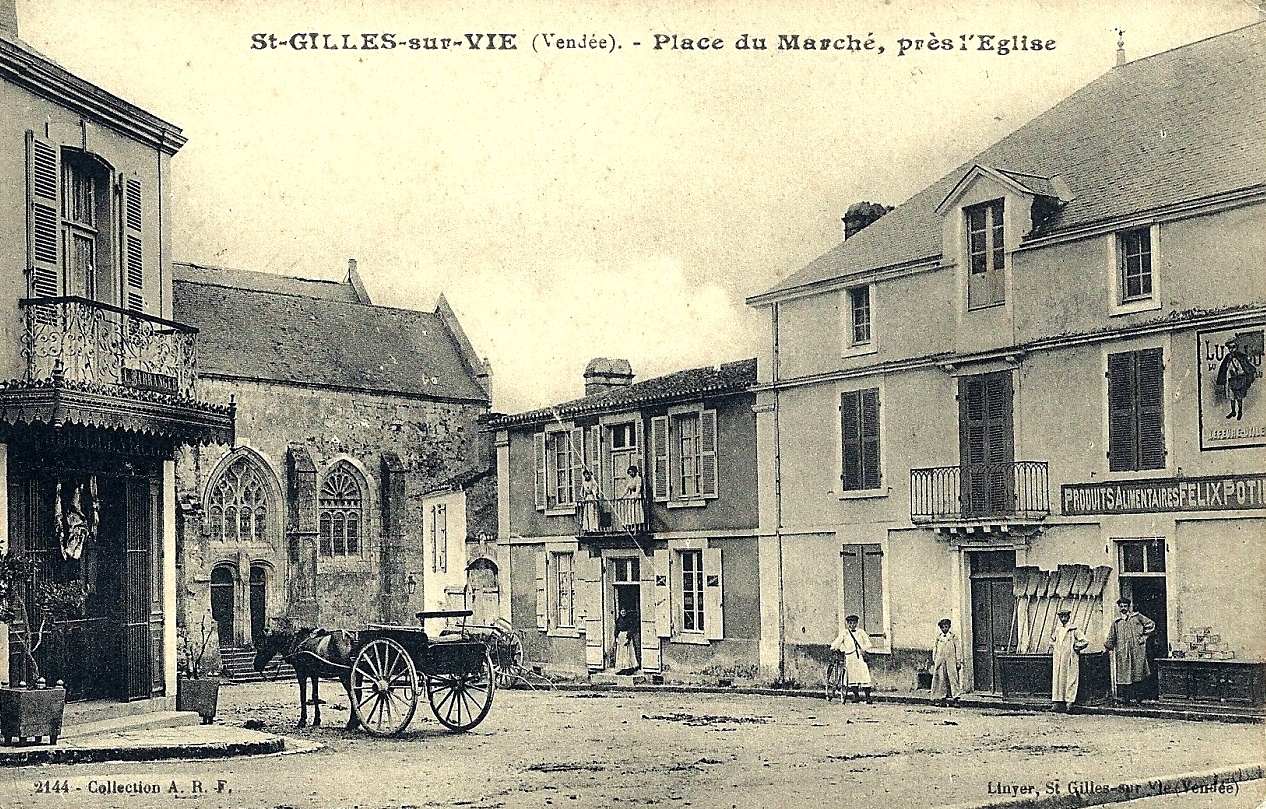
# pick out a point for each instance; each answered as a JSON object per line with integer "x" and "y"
{"x": 461, "y": 701}
{"x": 384, "y": 687}
{"x": 507, "y": 657}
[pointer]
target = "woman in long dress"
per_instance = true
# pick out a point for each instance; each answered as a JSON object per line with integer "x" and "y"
{"x": 626, "y": 661}
{"x": 588, "y": 503}
{"x": 853, "y": 644}
{"x": 632, "y": 509}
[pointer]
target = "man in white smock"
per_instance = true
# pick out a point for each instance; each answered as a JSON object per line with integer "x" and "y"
{"x": 853, "y": 645}
{"x": 1067, "y": 644}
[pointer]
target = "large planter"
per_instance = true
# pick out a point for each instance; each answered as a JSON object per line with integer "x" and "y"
{"x": 31, "y": 713}
{"x": 199, "y": 696}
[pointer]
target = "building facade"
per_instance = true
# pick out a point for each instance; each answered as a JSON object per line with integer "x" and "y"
{"x": 1035, "y": 384}
{"x": 349, "y": 414}
{"x": 103, "y": 388}
{"x": 633, "y": 510}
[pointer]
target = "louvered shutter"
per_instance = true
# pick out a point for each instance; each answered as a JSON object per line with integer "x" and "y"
{"x": 999, "y": 443}
{"x": 850, "y": 441}
{"x": 972, "y": 444}
{"x": 713, "y": 603}
{"x": 854, "y": 604}
{"x": 588, "y": 595}
{"x": 538, "y": 449}
{"x": 592, "y": 455}
{"x": 663, "y": 596}
{"x": 576, "y": 454}
{"x": 659, "y": 453}
{"x": 869, "y": 438}
{"x": 872, "y": 613}
{"x": 43, "y": 193}
{"x": 708, "y": 453}
{"x": 641, "y": 447}
{"x": 1122, "y": 413}
{"x": 542, "y": 602}
{"x": 650, "y": 634}
{"x": 132, "y": 252}
{"x": 1151, "y": 408}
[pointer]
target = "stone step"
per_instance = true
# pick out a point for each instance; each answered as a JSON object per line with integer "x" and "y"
{"x": 122, "y": 724}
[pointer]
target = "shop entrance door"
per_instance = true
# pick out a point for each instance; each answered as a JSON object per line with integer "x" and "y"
{"x": 992, "y": 612}
{"x": 628, "y": 614}
{"x": 1142, "y": 565}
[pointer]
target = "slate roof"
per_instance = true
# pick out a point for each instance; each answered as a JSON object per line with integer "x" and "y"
{"x": 264, "y": 282}
{"x": 695, "y": 383}
{"x": 267, "y": 334}
{"x": 1105, "y": 141}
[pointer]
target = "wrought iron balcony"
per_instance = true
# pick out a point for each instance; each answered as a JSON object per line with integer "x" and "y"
{"x": 1009, "y": 492}
{"x": 619, "y": 517}
{"x": 83, "y": 341}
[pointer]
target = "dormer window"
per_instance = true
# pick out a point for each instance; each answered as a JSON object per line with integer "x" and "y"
{"x": 986, "y": 254}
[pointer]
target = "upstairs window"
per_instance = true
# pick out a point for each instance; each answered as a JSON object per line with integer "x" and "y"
{"x": 859, "y": 440}
{"x": 1134, "y": 247}
{"x": 986, "y": 254}
{"x": 238, "y": 505}
{"x": 1136, "y": 410}
{"x": 341, "y": 512}
{"x": 684, "y": 452}
{"x": 859, "y": 315}
{"x": 439, "y": 538}
{"x": 560, "y": 464}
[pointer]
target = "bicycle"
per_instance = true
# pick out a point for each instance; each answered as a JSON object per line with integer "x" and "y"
{"x": 835, "y": 678}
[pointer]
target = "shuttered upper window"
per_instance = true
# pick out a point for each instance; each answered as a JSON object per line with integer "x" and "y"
{"x": 1136, "y": 410}
{"x": 562, "y": 456}
{"x": 859, "y": 440}
{"x": 684, "y": 454}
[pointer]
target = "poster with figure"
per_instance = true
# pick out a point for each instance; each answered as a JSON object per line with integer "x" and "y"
{"x": 1232, "y": 410}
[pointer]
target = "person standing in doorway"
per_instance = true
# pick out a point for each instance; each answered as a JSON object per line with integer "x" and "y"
{"x": 626, "y": 661}
{"x": 1127, "y": 641}
{"x": 947, "y": 664}
{"x": 853, "y": 645}
{"x": 1067, "y": 644}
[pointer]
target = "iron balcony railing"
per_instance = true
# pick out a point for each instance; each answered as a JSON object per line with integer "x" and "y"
{"x": 623, "y": 515}
{"x": 1018, "y": 490}
{"x": 85, "y": 341}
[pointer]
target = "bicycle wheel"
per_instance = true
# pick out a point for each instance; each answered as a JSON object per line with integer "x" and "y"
{"x": 834, "y": 678}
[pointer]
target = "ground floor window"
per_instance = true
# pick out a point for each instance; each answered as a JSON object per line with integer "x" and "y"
{"x": 692, "y": 613}
{"x": 564, "y": 590}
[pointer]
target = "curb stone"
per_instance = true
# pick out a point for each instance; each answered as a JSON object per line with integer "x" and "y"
{"x": 1134, "y": 790}
{"x": 92, "y": 755}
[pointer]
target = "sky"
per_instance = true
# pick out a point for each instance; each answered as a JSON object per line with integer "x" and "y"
{"x": 575, "y": 203}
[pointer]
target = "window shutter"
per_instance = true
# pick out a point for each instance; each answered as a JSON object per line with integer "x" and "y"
{"x": 542, "y": 603}
{"x": 641, "y": 447}
{"x": 854, "y": 603}
{"x": 132, "y": 241}
{"x": 538, "y": 448}
{"x": 713, "y": 614}
{"x": 663, "y": 596}
{"x": 588, "y": 595}
{"x": 435, "y": 539}
{"x": 872, "y": 613}
{"x": 1122, "y": 417}
{"x": 575, "y": 452}
{"x": 869, "y": 438}
{"x": 708, "y": 453}
{"x": 1151, "y": 408}
{"x": 650, "y": 633}
{"x": 850, "y": 441}
{"x": 43, "y": 194}
{"x": 441, "y": 520}
{"x": 592, "y": 456}
{"x": 659, "y": 451}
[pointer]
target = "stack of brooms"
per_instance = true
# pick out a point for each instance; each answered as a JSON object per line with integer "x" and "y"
{"x": 1039, "y": 596}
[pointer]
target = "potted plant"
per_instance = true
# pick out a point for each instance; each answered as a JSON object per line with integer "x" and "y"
{"x": 194, "y": 690}
{"x": 923, "y": 677}
{"x": 32, "y": 708}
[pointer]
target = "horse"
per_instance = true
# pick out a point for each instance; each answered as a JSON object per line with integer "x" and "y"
{"x": 314, "y": 654}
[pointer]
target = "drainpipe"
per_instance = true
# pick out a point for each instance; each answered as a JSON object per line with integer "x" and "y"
{"x": 776, "y": 375}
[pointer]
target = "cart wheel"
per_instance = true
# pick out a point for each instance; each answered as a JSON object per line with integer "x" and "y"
{"x": 384, "y": 687}
{"x": 461, "y": 701}
{"x": 507, "y": 657}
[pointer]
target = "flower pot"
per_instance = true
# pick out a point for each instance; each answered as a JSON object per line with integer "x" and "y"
{"x": 31, "y": 712}
{"x": 200, "y": 696}
{"x": 923, "y": 681}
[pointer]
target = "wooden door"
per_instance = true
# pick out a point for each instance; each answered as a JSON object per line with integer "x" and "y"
{"x": 992, "y": 613}
{"x": 259, "y": 602}
{"x": 222, "y": 590}
{"x": 986, "y": 444}
{"x": 138, "y": 578}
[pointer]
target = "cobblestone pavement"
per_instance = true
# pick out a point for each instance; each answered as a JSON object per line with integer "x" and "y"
{"x": 581, "y": 748}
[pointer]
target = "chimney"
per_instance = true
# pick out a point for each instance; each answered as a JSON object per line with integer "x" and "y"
{"x": 353, "y": 280}
{"x": 1121, "y": 60}
{"x": 9, "y": 19}
{"x": 861, "y": 214}
{"x": 602, "y": 375}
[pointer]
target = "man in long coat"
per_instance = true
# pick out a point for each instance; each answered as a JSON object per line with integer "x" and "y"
{"x": 1127, "y": 640}
{"x": 853, "y": 644}
{"x": 947, "y": 664}
{"x": 1067, "y": 644}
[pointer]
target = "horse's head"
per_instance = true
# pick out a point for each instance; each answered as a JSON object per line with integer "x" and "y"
{"x": 271, "y": 644}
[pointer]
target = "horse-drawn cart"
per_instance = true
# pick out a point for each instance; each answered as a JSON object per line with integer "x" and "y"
{"x": 393, "y": 665}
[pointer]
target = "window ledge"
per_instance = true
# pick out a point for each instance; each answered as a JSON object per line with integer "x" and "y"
{"x": 686, "y": 503}
{"x": 1135, "y": 474}
{"x": 563, "y": 632}
{"x": 864, "y": 494}
{"x": 861, "y": 350}
{"x": 560, "y": 511}
{"x": 985, "y": 306}
{"x": 691, "y": 638}
{"x": 1151, "y": 304}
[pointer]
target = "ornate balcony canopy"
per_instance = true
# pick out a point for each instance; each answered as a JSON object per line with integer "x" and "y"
{"x": 97, "y": 365}
{"x": 980, "y": 496}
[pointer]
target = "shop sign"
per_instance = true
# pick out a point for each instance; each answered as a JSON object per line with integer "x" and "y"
{"x": 1212, "y": 493}
{"x": 1232, "y": 395}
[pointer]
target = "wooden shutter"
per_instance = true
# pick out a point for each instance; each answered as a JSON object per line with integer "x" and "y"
{"x": 542, "y": 603}
{"x": 872, "y": 613}
{"x": 854, "y": 601}
{"x": 642, "y": 455}
{"x": 713, "y": 612}
{"x": 1151, "y": 408}
{"x": 659, "y": 453}
{"x": 441, "y": 531}
{"x": 850, "y": 441}
{"x": 1122, "y": 412}
{"x": 132, "y": 252}
{"x": 592, "y": 455}
{"x": 43, "y": 194}
{"x": 708, "y": 453}
{"x": 576, "y": 456}
{"x": 538, "y": 449}
{"x": 650, "y": 657}
{"x": 587, "y": 591}
{"x": 137, "y": 578}
{"x": 868, "y": 438}
{"x": 663, "y": 596}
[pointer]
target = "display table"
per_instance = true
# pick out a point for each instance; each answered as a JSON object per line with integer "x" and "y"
{"x": 1029, "y": 676}
{"x": 1238, "y": 682}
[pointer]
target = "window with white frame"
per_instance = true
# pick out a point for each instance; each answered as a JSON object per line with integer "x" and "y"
{"x": 986, "y": 253}
{"x": 1134, "y": 263}
{"x": 684, "y": 450}
{"x": 439, "y": 538}
{"x": 564, "y": 593}
{"x": 859, "y": 316}
{"x": 560, "y": 461}
{"x": 692, "y": 584}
